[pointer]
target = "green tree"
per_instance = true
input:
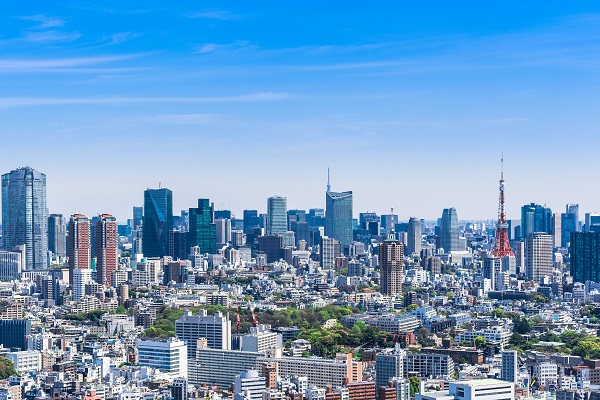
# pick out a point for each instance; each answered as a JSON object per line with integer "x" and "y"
{"x": 121, "y": 310}
{"x": 414, "y": 385}
{"x": 7, "y": 368}
{"x": 498, "y": 313}
{"x": 480, "y": 342}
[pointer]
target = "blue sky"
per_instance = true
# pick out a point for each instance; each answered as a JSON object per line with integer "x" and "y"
{"x": 410, "y": 105}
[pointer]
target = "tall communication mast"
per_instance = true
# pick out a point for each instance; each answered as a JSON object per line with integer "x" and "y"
{"x": 502, "y": 246}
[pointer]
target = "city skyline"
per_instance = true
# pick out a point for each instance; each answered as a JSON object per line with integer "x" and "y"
{"x": 219, "y": 85}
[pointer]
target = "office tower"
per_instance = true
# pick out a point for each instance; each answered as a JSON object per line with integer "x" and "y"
{"x": 203, "y": 231}
{"x": 276, "y": 215}
{"x": 169, "y": 355}
{"x": 389, "y": 364}
{"x": 216, "y": 329}
{"x": 492, "y": 267}
{"x": 138, "y": 217}
{"x": 222, "y": 214}
{"x": 295, "y": 216}
{"x": 80, "y": 277}
{"x": 569, "y": 224}
{"x": 107, "y": 246}
{"x": 391, "y": 266}
{"x": 520, "y": 257}
{"x": 592, "y": 222}
{"x": 449, "y": 230}
{"x": 24, "y": 215}
{"x": 178, "y": 247}
{"x": 158, "y": 221}
{"x": 179, "y": 390}
{"x": 271, "y": 246}
{"x": 14, "y": 332}
{"x": 249, "y": 385}
{"x": 574, "y": 209}
{"x": 251, "y": 220}
{"x": 338, "y": 217}
{"x": 556, "y": 230}
{"x": 223, "y": 230}
{"x": 12, "y": 262}
{"x": 415, "y": 236}
{"x": 329, "y": 250}
{"x": 510, "y": 361}
{"x": 535, "y": 218}
{"x": 585, "y": 256}
{"x": 79, "y": 244}
{"x": 538, "y": 256}
{"x": 57, "y": 235}
{"x": 502, "y": 244}
{"x": 316, "y": 217}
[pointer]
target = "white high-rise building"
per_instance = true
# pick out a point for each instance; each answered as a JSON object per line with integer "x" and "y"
{"x": 415, "y": 236}
{"x": 165, "y": 355}
{"x": 81, "y": 277}
{"x": 249, "y": 385}
{"x": 261, "y": 339}
{"x": 216, "y": 329}
{"x": 328, "y": 252}
{"x": 538, "y": 256}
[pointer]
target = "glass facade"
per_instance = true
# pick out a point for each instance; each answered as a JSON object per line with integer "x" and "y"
{"x": 585, "y": 256}
{"x": 276, "y": 215}
{"x": 202, "y": 230}
{"x": 25, "y": 216}
{"x": 158, "y": 220}
{"x": 535, "y": 218}
{"x": 449, "y": 230}
{"x": 338, "y": 217}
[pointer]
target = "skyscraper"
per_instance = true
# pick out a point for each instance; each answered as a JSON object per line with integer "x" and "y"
{"x": 415, "y": 236}
{"x": 276, "y": 215}
{"x": 535, "y": 218}
{"x": 79, "y": 244}
{"x": 138, "y": 217}
{"x": 538, "y": 256}
{"x": 556, "y": 230}
{"x": 202, "y": 230}
{"x": 391, "y": 265}
{"x": 57, "y": 235}
{"x": 158, "y": 220}
{"x": 24, "y": 214}
{"x": 338, "y": 217}
{"x": 107, "y": 245}
{"x": 585, "y": 256}
{"x": 449, "y": 230}
{"x": 569, "y": 224}
{"x": 251, "y": 220}
{"x": 574, "y": 209}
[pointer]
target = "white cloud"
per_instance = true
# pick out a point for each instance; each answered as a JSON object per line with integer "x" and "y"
{"x": 222, "y": 15}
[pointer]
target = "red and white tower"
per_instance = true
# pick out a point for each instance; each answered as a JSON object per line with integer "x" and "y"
{"x": 502, "y": 246}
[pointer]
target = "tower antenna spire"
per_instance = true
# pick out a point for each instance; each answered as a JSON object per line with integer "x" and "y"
{"x": 328, "y": 182}
{"x": 502, "y": 245}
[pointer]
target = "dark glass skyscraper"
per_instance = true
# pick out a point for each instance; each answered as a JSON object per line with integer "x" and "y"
{"x": 203, "y": 231}
{"x": 13, "y": 333}
{"x": 138, "y": 217}
{"x": 585, "y": 256}
{"x": 57, "y": 235}
{"x": 338, "y": 217}
{"x": 158, "y": 220}
{"x": 535, "y": 218}
{"x": 24, "y": 214}
{"x": 449, "y": 230}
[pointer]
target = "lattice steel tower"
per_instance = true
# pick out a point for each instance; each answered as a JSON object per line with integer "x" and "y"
{"x": 502, "y": 245}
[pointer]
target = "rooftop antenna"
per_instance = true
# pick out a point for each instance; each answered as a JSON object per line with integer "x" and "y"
{"x": 160, "y": 185}
{"x": 328, "y": 182}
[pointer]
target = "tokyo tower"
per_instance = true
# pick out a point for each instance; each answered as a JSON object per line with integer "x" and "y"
{"x": 502, "y": 245}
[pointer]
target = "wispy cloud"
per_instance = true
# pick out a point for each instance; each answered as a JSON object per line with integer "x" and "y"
{"x": 121, "y": 37}
{"x": 221, "y": 15}
{"x": 180, "y": 119}
{"x": 13, "y": 102}
{"x": 51, "y": 36}
{"x": 44, "y": 21}
{"x": 33, "y": 65}
{"x": 237, "y": 46}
